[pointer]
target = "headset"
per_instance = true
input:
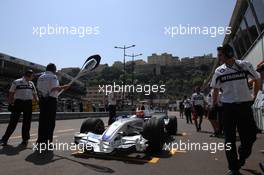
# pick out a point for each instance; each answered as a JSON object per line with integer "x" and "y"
{"x": 227, "y": 50}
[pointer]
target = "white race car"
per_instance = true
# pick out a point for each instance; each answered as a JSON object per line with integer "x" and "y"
{"x": 125, "y": 133}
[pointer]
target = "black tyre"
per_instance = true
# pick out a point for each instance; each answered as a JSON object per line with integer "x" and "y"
{"x": 153, "y": 131}
{"x": 172, "y": 126}
{"x": 92, "y": 125}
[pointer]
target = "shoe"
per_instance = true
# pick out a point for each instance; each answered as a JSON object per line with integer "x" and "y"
{"x": 3, "y": 143}
{"x": 259, "y": 131}
{"x": 233, "y": 172}
{"x": 242, "y": 162}
{"x": 24, "y": 143}
{"x": 262, "y": 166}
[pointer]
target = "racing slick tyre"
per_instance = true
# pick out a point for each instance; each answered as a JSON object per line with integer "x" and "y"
{"x": 172, "y": 126}
{"x": 153, "y": 131}
{"x": 93, "y": 125}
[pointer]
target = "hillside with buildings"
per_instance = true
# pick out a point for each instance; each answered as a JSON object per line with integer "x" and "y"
{"x": 180, "y": 76}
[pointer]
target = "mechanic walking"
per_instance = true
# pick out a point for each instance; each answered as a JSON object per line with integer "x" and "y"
{"x": 48, "y": 87}
{"x": 111, "y": 107}
{"x": 260, "y": 69}
{"x": 215, "y": 114}
{"x": 21, "y": 94}
{"x": 187, "y": 109}
{"x": 181, "y": 106}
{"x": 232, "y": 78}
{"x": 198, "y": 101}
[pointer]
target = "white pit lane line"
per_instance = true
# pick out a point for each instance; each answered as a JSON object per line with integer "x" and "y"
{"x": 35, "y": 134}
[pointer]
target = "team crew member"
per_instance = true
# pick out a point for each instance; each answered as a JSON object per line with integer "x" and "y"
{"x": 232, "y": 78}
{"x": 111, "y": 107}
{"x": 187, "y": 109}
{"x": 260, "y": 69}
{"x": 21, "y": 94}
{"x": 181, "y": 108}
{"x": 48, "y": 87}
{"x": 198, "y": 101}
{"x": 215, "y": 114}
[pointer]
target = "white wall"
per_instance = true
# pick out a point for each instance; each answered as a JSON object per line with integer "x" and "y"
{"x": 256, "y": 55}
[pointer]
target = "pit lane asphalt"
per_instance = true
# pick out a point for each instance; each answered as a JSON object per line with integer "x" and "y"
{"x": 23, "y": 161}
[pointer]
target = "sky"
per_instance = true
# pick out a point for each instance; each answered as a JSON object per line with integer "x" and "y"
{"x": 113, "y": 23}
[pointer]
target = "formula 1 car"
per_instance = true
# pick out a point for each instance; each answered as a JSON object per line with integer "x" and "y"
{"x": 143, "y": 134}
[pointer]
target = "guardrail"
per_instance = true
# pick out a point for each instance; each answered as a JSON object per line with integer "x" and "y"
{"x": 5, "y": 116}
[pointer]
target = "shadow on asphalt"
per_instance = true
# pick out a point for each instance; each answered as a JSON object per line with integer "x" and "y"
{"x": 41, "y": 159}
{"x": 253, "y": 172}
{"x": 205, "y": 132}
{"x": 130, "y": 157}
{"x": 10, "y": 150}
{"x": 48, "y": 157}
{"x": 96, "y": 168}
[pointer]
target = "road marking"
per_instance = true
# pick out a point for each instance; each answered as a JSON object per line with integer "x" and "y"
{"x": 184, "y": 134}
{"x": 35, "y": 134}
{"x": 77, "y": 152}
{"x": 18, "y": 137}
{"x": 173, "y": 152}
{"x": 65, "y": 130}
{"x": 154, "y": 160}
{"x": 178, "y": 151}
{"x": 34, "y": 140}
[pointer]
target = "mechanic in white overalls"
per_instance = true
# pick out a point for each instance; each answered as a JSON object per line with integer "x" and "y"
{"x": 198, "y": 100}
{"x": 237, "y": 99}
{"x": 21, "y": 94}
{"x": 48, "y": 87}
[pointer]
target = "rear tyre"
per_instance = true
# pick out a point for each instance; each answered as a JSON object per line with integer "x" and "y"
{"x": 93, "y": 125}
{"x": 153, "y": 131}
{"x": 172, "y": 126}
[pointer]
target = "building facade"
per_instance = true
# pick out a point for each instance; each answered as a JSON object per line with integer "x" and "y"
{"x": 247, "y": 23}
{"x": 163, "y": 59}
